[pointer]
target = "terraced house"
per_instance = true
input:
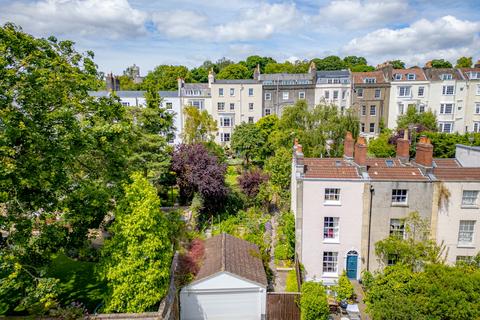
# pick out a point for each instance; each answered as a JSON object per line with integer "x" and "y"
{"x": 343, "y": 206}
{"x": 334, "y": 87}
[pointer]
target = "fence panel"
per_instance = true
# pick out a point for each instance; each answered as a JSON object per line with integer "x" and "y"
{"x": 283, "y": 306}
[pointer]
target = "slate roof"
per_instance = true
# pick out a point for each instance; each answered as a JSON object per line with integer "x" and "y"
{"x": 333, "y": 74}
{"x": 98, "y": 94}
{"x": 132, "y": 94}
{"x": 285, "y": 76}
{"x": 198, "y": 86}
{"x": 434, "y": 74}
{"x": 225, "y": 253}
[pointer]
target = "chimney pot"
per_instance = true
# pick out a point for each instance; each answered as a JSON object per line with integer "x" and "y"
{"x": 403, "y": 147}
{"x": 360, "y": 155}
{"x": 348, "y": 145}
{"x": 424, "y": 154}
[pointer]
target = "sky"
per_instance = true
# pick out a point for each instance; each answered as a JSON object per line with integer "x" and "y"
{"x": 188, "y": 32}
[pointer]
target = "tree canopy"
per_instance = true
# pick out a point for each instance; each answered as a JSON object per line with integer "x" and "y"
{"x": 440, "y": 63}
{"x": 464, "y": 62}
{"x": 234, "y": 71}
{"x": 413, "y": 118}
{"x": 199, "y": 125}
{"x": 246, "y": 139}
{"x": 164, "y": 77}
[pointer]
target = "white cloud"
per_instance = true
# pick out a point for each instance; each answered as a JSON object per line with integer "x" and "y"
{"x": 446, "y": 37}
{"x": 355, "y": 14}
{"x": 181, "y": 24}
{"x": 103, "y": 18}
{"x": 259, "y": 22}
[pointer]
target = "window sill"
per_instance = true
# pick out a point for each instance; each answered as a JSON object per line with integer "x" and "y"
{"x": 331, "y": 241}
{"x": 399, "y": 204}
{"x": 469, "y": 206}
{"x": 330, "y": 275}
{"x": 466, "y": 246}
{"x": 332, "y": 203}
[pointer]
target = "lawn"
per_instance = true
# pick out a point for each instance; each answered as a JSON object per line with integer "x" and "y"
{"x": 78, "y": 281}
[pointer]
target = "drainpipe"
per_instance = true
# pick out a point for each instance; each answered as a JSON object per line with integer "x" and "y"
{"x": 372, "y": 191}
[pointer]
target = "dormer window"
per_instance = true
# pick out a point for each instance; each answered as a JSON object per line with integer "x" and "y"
{"x": 474, "y": 75}
{"x": 446, "y": 76}
{"x": 410, "y": 76}
{"x": 369, "y": 80}
{"x": 398, "y": 76}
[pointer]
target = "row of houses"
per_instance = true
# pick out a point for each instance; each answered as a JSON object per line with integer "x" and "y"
{"x": 343, "y": 206}
{"x": 378, "y": 97}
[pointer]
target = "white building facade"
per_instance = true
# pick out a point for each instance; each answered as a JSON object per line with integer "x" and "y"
{"x": 472, "y": 104}
{"x": 334, "y": 87}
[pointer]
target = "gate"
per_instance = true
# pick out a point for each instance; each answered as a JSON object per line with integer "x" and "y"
{"x": 283, "y": 306}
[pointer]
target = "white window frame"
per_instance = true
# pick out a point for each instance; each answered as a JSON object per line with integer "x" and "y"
{"x": 364, "y": 110}
{"x": 232, "y": 92}
{"x": 370, "y": 80}
{"x": 474, "y": 75}
{"x": 223, "y": 122}
{"x": 327, "y": 94}
{"x": 332, "y": 195}
{"x": 442, "y": 124}
{"x": 335, "y": 94}
{"x": 411, "y": 76}
{"x": 404, "y": 91}
{"x": 169, "y": 105}
{"x": 422, "y": 90}
{"x": 232, "y": 106}
{"x": 379, "y": 95}
{"x": 371, "y": 127}
{"x": 446, "y": 76}
{"x": 397, "y": 76}
{"x": 330, "y": 262}
{"x": 251, "y": 120}
{"x": 397, "y": 228}
{"x": 125, "y": 103}
{"x": 285, "y": 95}
{"x": 250, "y": 92}
{"x": 223, "y": 135}
{"x": 220, "y": 92}
{"x": 401, "y": 108}
{"x": 221, "y": 106}
{"x": 478, "y": 89}
{"x": 470, "y": 198}
{"x": 268, "y": 96}
{"x": 466, "y": 232}
{"x": 344, "y": 94}
{"x": 448, "y": 90}
{"x": 301, "y": 95}
{"x": 476, "y": 126}
{"x": 331, "y": 230}
{"x": 362, "y": 127}
{"x": 444, "y": 107}
{"x": 399, "y": 197}
{"x": 477, "y": 108}
{"x": 374, "y": 109}
{"x": 359, "y": 92}
{"x": 250, "y": 106}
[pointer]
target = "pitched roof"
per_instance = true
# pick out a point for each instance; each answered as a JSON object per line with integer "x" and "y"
{"x": 466, "y": 72}
{"x": 285, "y": 76}
{"x": 236, "y": 81}
{"x": 446, "y": 163}
{"x": 434, "y": 74}
{"x": 330, "y": 168}
{"x": 225, "y": 253}
{"x": 457, "y": 174}
{"x": 419, "y": 74}
{"x": 132, "y": 94}
{"x": 396, "y": 173}
{"x": 358, "y": 77}
{"x": 333, "y": 74}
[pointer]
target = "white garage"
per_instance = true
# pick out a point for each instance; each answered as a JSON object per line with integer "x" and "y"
{"x": 231, "y": 283}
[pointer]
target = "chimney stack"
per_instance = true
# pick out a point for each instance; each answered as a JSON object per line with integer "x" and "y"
{"x": 403, "y": 147}
{"x": 256, "y": 72}
{"x": 477, "y": 64}
{"x": 348, "y": 146}
{"x": 360, "y": 155}
{"x": 211, "y": 77}
{"x": 424, "y": 155}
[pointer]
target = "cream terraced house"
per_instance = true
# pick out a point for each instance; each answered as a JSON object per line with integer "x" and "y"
{"x": 334, "y": 87}
{"x": 335, "y": 235}
{"x": 472, "y": 104}
{"x": 235, "y": 102}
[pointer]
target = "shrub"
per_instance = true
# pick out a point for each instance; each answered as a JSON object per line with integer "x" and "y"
{"x": 313, "y": 301}
{"x": 189, "y": 262}
{"x": 367, "y": 279}
{"x": 281, "y": 251}
{"x": 250, "y": 182}
{"x": 291, "y": 284}
{"x": 344, "y": 288}
{"x": 285, "y": 237}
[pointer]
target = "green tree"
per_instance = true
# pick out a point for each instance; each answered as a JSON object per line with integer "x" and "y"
{"x": 440, "y": 63}
{"x": 398, "y": 64}
{"x": 126, "y": 83}
{"x": 286, "y": 67}
{"x": 352, "y": 61}
{"x": 246, "y": 139}
{"x": 267, "y": 125}
{"x": 199, "y": 74}
{"x": 380, "y": 146}
{"x": 313, "y": 301}
{"x": 414, "y": 118}
{"x": 330, "y": 63}
{"x": 234, "y": 71}
{"x": 252, "y": 61}
{"x": 136, "y": 260}
{"x": 63, "y": 157}
{"x": 464, "y": 62}
{"x": 362, "y": 68}
{"x": 222, "y": 63}
{"x": 279, "y": 168}
{"x": 344, "y": 288}
{"x": 164, "y": 77}
{"x": 415, "y": 249}
{"x": 199, "y": 125}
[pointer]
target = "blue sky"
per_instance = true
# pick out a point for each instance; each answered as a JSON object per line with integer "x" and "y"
{"x": 187, "y": 32}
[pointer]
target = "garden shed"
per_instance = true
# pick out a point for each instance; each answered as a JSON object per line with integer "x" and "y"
{"x": 230, "y": 284}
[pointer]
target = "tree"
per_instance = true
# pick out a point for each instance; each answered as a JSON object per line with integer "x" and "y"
{"x": 414, "y": 118}
{"x": 352, "y": 61}
{"x": 267, "y": 125}
{"x": 136, "y": 260}
{"x": 415, "y": 249}
{"x": 126, "y": 83}
{"x": 246, "y": 139}
{"x": 278, "y": 168}
{"x": 250, "y": 181}
{"x": 313, "y": 301}
{"x": 199, "y": 74}
{"x": 397, "y": 64}
{"x": 199, "y": 125}
{"x": 164, "y": 77}
{"x": 330, "y": 63}
{"x": 252, "y": 61}
{"x": 464, "y": 62}
{"x": 344, "y": 288}
{"x": 234, "y": 71}
{"x": 362, "y": 68}
{"x": 222, "y": 63}
{"x": 380, "y": 146}
{"x": 200, "y": 172}
{"x": 440, "y": 63}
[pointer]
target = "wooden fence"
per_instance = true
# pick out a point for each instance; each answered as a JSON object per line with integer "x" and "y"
{"x": 283, "y": 306}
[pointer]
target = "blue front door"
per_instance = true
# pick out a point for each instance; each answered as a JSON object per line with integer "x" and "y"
{"x": 352, "y": 266}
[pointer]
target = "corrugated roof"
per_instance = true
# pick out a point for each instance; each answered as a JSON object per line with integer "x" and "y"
{"x": 225, "y": 253}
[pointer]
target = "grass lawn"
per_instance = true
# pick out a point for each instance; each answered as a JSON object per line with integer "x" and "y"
{"x": 78, "y": 281}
